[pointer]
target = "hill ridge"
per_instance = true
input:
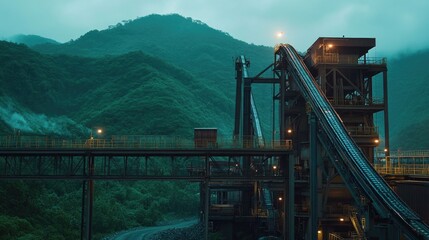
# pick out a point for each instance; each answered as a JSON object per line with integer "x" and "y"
{"x": 96, "y": 91}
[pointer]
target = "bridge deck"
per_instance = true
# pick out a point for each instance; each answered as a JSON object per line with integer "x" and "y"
{"x": 131, "y": 162}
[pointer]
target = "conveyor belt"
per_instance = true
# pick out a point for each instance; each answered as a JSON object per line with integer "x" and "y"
{"x": 253, "y": 111}
{"x": 382, "y": 197}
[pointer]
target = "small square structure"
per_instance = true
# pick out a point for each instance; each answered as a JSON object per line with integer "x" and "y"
{"x": 205, "y": 137}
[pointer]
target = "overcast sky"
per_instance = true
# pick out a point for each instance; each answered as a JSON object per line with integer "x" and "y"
{"x": 398, "y": 25}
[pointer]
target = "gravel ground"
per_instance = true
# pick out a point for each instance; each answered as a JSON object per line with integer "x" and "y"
{"x": 195, "y": 232}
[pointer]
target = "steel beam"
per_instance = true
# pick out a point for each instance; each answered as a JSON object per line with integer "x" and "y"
{"x": 238, "y": 96}
{"x": 386, "y": 118}
{"x": 290, "y": 199}
{"x": 313, "y": 177}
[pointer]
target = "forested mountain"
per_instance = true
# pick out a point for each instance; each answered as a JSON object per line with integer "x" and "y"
{"x": 408, "y": 99}
{"x": 156, "y": 75}
{"x": 31, "y": 40}
{"x": 206, "y": 53}
{"x": 128, "y": 94}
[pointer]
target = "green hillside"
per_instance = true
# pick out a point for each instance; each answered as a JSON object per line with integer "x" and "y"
{"x": 408, "y": 101}
{"x": 128, "y": 94}
{"x": 156, "y": 75}
{"x": 187, "y": 43}
{"x": 31, "y": 40}
{"x": 206, "y": 53}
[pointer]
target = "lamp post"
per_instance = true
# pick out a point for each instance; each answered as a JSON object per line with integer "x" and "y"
{"x": 99, "y": 131}
{"x": 279, "y": 36}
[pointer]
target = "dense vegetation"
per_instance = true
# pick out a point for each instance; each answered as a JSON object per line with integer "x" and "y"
{"x": 31, "y": 40}
{"x": 409, "y": 112}
{"x": 126, "y": 91}
{"x": 206, "y": 53}
{"x": 51, "y": 210}
{"x": 157, "y": 75}
{"x": 128, "y": 94}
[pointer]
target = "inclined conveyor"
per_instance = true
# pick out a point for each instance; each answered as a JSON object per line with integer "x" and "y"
{"x": 368, "y": 182}
{"x": 260, "y": 142}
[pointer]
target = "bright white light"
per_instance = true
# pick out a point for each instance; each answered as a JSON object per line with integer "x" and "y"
{"x": 280, "y": 34}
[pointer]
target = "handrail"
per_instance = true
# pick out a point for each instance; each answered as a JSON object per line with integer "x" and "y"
{"x": 411, "y": 162}
{"x": 383, "y": 198}
{"x": 403, "y": 169}
{"x": 357, "y": 102}
{"x": 363, "y": 130}
{"x": 335, "y": 58}
{"x": 131, "y": 142}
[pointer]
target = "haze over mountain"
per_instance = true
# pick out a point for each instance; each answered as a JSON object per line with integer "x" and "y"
{"x": 129, "y": 93}
{"x": 192, "y": 45}
{"x": 31, "y": 40}
{"x": 160, "y": 75}
{"x": 409, "y": 113}
{"x": 207, "y": 54}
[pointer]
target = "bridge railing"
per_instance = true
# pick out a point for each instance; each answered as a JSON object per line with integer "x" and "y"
{"x": 414, "y": 162}
{"x": 335, "y": 58}
{"x": 404, "y": 169}
{"x": 133, "y": 142}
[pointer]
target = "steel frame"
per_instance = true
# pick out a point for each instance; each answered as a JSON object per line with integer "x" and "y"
{"x": 88, "y": 165}
{"x": 123, "y": 164}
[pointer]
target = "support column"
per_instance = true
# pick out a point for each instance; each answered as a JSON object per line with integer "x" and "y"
{"x": 290, "y": 189}
{"x": 335, "y": 87}
{"x": 313, "y": 177}
{"x": 238, "y": 95}
{"x": 386, "y": 119}
{"x": 247, "y": 124}
{"x": 282, "y": 101}
{"x": 83, "y": 234}
{"x": 206, "y": 199}
{"x": 87, "y": 202}
{"x": 206, "y": 208}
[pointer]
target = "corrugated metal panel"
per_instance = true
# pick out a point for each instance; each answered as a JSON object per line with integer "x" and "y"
{"x": 416, "y": 195}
